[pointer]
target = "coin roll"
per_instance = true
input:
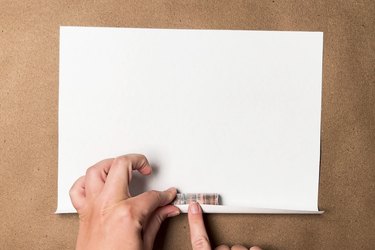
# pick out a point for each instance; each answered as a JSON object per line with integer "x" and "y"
{"x": 201, "y": 198}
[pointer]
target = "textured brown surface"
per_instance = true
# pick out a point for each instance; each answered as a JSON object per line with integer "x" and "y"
{"x": 29, "y": 105}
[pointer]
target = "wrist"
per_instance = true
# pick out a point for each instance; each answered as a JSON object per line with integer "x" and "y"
{"x": 97, "y": 236}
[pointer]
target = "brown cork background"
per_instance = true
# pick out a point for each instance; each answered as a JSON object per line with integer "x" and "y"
{"x": 29, "y": 53}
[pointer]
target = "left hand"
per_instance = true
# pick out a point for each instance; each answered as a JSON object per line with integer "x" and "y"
{"x": 109, "y": 217}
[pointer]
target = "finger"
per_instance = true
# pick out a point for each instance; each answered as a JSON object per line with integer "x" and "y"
{"x": 147, "y": 202}
{"x": 238, "y": 247}
{"x": 255, "y": 248}
{"x": 154, "y": 224}
{"x": 222, "y": 247}
{"x": 198, "y": 234}
{"x": 119, "y": 176}
{"x": 77, "y": 193}
{"x": 96, "y": 177}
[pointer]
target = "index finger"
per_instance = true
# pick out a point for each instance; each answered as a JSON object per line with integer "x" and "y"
{"x": 120, "y": 174}
{"x": 198, "y": 235}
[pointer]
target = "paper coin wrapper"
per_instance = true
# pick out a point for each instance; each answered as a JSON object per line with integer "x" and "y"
{"x": 201, "y": 198}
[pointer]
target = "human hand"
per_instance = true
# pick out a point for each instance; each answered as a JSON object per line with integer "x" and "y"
{"x": 109, "y": 217}
{"x": 198, "y": 234}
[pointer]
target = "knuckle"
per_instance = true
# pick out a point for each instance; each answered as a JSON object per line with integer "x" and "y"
{"x": 72, "y": 195}
{"x": 72, "y": 192}
{"x": 127, "y": 211}
{"x": 201, "y": 242}
{"x": 122, "y": 160}
{"x": 155, "y": 195}
{"x": 140, "y": 156}
{"x": 128, "y": 216}
{"x": 91, "y": 170}
{"x": 142, "y": 159}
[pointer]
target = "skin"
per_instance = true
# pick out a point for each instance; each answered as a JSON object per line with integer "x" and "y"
{"x": 110, "y": 218}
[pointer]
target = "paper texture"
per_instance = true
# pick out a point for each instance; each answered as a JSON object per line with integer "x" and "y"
{"x": 230, "y": 112}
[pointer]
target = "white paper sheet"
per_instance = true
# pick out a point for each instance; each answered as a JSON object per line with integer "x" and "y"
{"x": 215, "y": 111}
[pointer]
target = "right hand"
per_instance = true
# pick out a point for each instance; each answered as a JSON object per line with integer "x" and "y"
{"x": 198, "y": 234}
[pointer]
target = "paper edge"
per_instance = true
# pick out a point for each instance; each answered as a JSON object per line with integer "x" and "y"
{"x": 186, "y": 29}
{"x": 218, "y": 209}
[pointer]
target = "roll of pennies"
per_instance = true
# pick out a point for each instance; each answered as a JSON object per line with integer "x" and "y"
{"x": 201, "y": 198}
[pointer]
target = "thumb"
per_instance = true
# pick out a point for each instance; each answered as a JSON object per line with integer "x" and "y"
{"x": 198, "y": 234}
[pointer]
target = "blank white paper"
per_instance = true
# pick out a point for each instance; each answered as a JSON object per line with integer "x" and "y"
{"x": 215, "y": 111}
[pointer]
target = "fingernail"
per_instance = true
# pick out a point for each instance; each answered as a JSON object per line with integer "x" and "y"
{"x": 174, "y": 213}
{"x": 194, "y": 208}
